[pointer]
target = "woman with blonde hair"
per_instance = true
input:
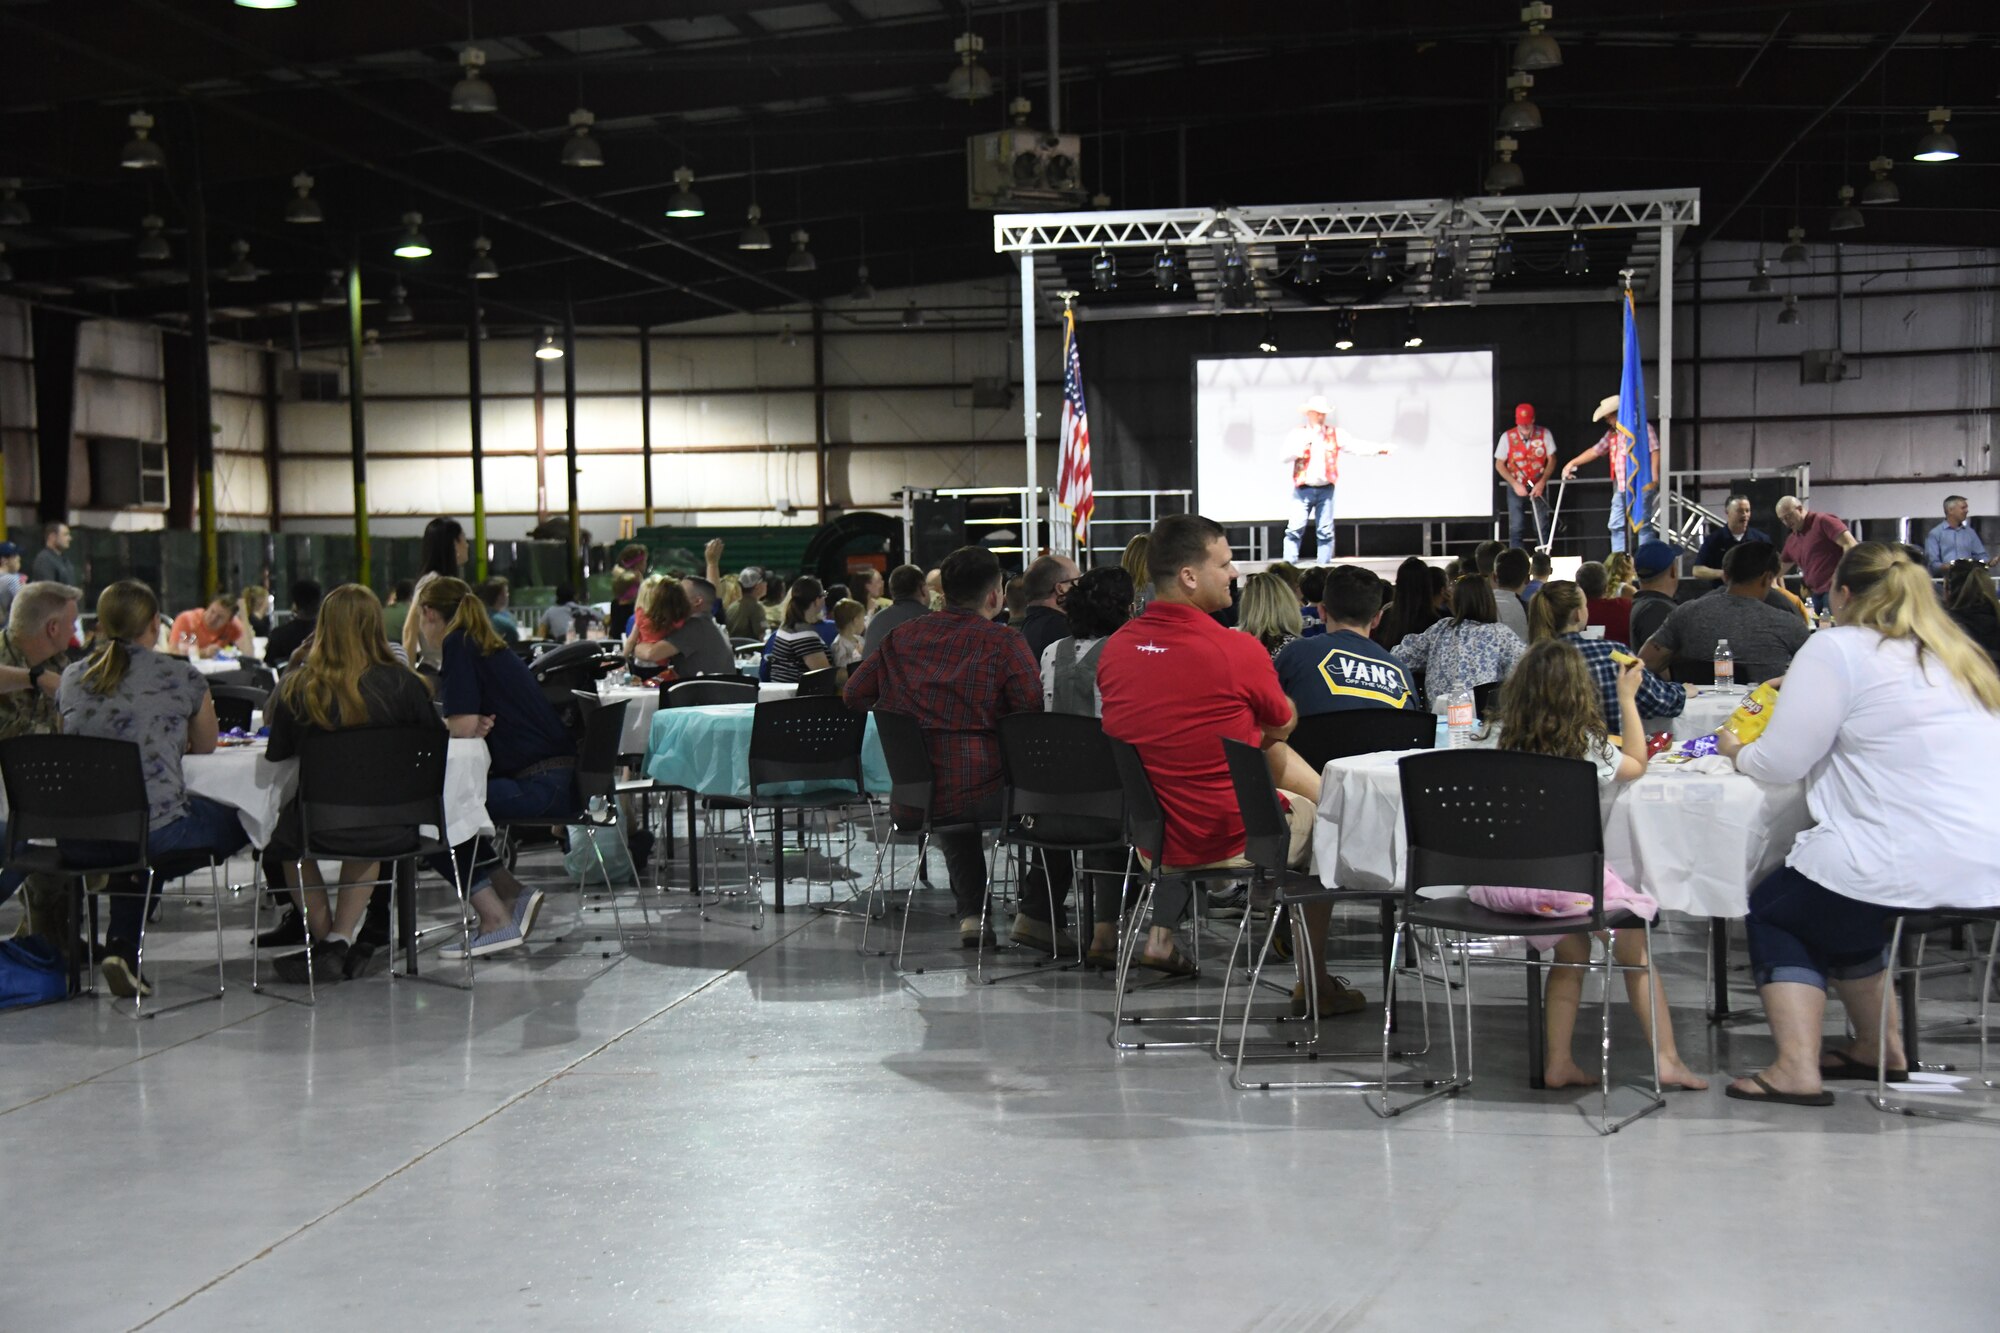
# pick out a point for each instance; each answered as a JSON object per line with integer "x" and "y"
{"x": 1893, "y": 718}
{"x": 1133, "y": 562}
{"x": 1621, "y": 575}
{"x": 626, "y": 577}
{"x": 486, "y": 691}
{"x": 1268, "y": 610}
{"x": 348, "y": 679}
{"x": 126, "y": 691}
{"x": 256, "y": 604}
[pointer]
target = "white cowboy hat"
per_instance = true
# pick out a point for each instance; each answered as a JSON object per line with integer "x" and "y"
{"x": 1607, "y": 408}
{"x": 1317, "y": 403}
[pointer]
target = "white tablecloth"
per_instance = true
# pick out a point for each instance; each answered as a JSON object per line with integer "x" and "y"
{"x": 216, "y": 666}
{"x": 1696, "y": 842}
{"x": 257, "y": 789}
{"x": 1708, "y": 707}
{"x": 642, "y": 701}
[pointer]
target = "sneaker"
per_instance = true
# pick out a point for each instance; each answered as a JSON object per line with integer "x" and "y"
{"x": 120, "y": 969}
{"x": 969, "y": 934}
{"x": 1337, "y": 997}
{"x": 1229, "y": 904}
{"x": 493, "y": 941}
{"x": 527, "y": 907}
{"x": 1041, "y": 937}
{"x": 325, "y": 962}
{"x": 290, "y": 930}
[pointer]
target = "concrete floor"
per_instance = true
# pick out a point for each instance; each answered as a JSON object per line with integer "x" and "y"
{"x": 762, "y": 1130}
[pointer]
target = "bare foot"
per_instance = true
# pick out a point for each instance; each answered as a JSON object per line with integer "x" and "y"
{"x": 1674, "y": 1074}
{"x": 1567, "y": 1074}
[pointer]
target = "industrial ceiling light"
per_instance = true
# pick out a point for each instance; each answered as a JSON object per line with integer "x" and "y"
{"x": 1503, "y": 257}
{"x": 581, "y": 149}
{"x": 1518, "y": 115}
{"x": 482, "y": 266}
{"x": 548, "y": 349}
{"x": 1343, "y": 331}
{"x": 913, "y": 318}
{"x": 1937, "y": 146}
{"x": 239, "y": 269}
{"x": 970, "y": 81}
{"x": 335, "y": 292}
{"x": 472, "y": 92}
{"x": 786, "y": 338}
{"x": 864, "y": 290}
{"x": 1505, "y": 174}
{"x": 1378, "y": 263}
{"x": 1846, "y": 217}
{"x": 6, "y": 269}
{"x": 1103, "y": 271}
{"x": 266, "y": 4}
{"x": 412, "y": 244}
{"x": 13, "y": 213}
{"x": 1166, "y": 273}
{"x": 141, "y": 153}
{"x": 1881, "y": 190}
{"x": 753, "y": 236}
{"x": 1788, "y": 313}
{"x": 1760, "y": 281}
{"x": 371, "y": 344}
{"x": 1412, "y": 337}
{"x": 1308, "y": 266}
{"x": 398, "y": 311}
{"x": 153, "y": 247}
{"x": 1795, "y": 247}
{"x": 684, "y": 202}
{"x": 1576, "y": 260}
{"x": 801, "y": 260}
{"x": 1268, "y": 345}
{"x": 1537, "y": 50}
{"x": 303, "y": 207}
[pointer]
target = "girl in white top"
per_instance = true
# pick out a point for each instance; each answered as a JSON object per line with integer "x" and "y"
{"x": 1893, "y": 718}
{"x": 849, "y": 619}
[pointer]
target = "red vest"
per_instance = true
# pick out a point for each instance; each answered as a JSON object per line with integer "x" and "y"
{"x": 1528, "y": 453}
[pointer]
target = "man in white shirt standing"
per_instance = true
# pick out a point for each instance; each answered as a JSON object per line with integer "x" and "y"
{"x": 1314, "y": 451}
{"x": 1522, "y": 458}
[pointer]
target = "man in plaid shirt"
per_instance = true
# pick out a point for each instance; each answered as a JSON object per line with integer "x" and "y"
{"x": 1658, "y": 699}
{"x": 957, "y": 673}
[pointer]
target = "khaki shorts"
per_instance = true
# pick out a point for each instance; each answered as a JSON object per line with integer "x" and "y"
{"x": 1298, "y": 854}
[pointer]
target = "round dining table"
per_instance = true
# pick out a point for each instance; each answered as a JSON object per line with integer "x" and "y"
{"x": 258, "y": 789}
{"x": 642, "y": 701}
{"x": 1708, "y": 707}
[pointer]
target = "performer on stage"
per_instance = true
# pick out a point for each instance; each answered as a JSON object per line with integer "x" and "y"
{"x": 1314, "y": 451}
{"x": 1522, "y": 458}
{"x": 1620, "y": 450}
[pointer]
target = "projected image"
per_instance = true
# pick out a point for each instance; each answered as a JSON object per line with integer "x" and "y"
{"x": 1399, "y": 435}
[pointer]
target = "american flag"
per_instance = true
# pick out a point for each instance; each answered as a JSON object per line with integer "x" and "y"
{"x": 1073, "y": 472}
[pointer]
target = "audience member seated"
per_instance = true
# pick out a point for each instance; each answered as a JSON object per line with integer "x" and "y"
{"x": 1550, "y": 706}
{"x": 396, "y": 610}
{"x": 1658, "y": 567}
{"x": 868, "y": 585}
{"x": 1621, "y": 575}
{"x": 797, "y": 645}
{"x": 498, "y": 595}
{"x": 670, "y": 627}
{"x": 291, "y": 636}
{"x": 958, "y": 673}
{"x": 1559, "y": 611}
{"x": 1411, "y": 610}
{"x": 31, "y": 666}
{"x": 1014, "y": 597}
{"x": 1042, "y": 587}
{"x": 1968, "y": 591}
{"x": 626, "y": 576}
{"x": 1761, "y": 638}
{"x": 1893, "y": 718}
{"x": 256, "y": 604}
{"x": 1510, "y": 582}
{"x": 1268, "y": 611}
{"x": 486, "y": 691}
{"x": 849, "y": 618}
{"x": 907, "y": 601}
{"x": 206, "y": 631}
{"x": 1470, "y": 649}
{"x": 1484, "y": 557}
{"x": 1343, "y": 668}
{"x": 1540, "y": 571}
{"x": 566, "y": 619}
{"x": 347, "y": 679}
{"x": 748, "y": 619}
{"x": 125, "y": 691}
{"x": 1175, "y": 685}
{"x": 1312, "y": 588}
{"x": 1611, "y": 612}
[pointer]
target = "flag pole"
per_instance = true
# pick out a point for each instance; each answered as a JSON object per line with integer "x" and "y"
{"x": 1068, "y": 296}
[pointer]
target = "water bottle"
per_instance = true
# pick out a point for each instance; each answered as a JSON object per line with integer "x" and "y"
{"x": 1725, "y": 663}
{"x": 598, "y": 807}
{"x": 1459, "y": 716}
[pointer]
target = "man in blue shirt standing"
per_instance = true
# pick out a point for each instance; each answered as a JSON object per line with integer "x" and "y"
{"x": 1953, "y": 539}
{"x": 1343, "y": 668}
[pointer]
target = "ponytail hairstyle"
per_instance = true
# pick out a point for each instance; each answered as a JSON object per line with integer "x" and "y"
{"x": 799, "y": 602}
{"x": 464, "y": 613}
{"x": 1553, "y": 608}
{"x": 1967, "y": 586}
{"x": 124, "y": 611}
{"x": 1893, "y": 597}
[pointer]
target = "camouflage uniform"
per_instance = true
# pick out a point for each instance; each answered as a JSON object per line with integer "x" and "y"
{"x": 31, "y": 712}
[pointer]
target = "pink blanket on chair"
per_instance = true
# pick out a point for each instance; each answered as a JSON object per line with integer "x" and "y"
{"x": 1556, "y": 905}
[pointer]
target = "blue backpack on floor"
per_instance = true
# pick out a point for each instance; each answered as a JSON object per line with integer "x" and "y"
{"x": 32, "y": 971}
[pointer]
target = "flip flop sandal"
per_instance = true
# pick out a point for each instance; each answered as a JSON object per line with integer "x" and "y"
{"x": 1096, "y": 961}
{"x": 1175, "y": 964}
{"x": 1848, "y": 1067}
{"x": 1772, "y": 1095}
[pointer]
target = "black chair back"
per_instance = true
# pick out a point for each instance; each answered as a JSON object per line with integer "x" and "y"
{"x": 814, "y": 740}
{"x": 1328, "y": 736}
{"x": 75, "y": 788}
{"x": 1267, "y": 835}
{"x": 603, "y": 740}
{"x": 711, "y": 690}
{"x": 1500, "y": 817}
{"x": 1057, "y": 764}
{"x": 1145, "y": 821}
{"x": 1693, "y": 671}
{"x": 911, "y": 781}
{"x": 1485, "y": 699}
{"x": 235, "y": 703}
{"x": 249, "y": 676}
{"x": 816, "y": 683}
{"x": 362, "y": 793}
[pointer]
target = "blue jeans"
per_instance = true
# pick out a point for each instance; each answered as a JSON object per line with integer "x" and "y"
{"x": 1517, "y": 512}
{"x": 550, "y": 793}
{"x": 1803, "y": 933}
{"x": 207, "y": 826}
{"x": 1313, "y": 508}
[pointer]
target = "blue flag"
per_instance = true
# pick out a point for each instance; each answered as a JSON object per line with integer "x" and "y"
{"x": 1641, "y": 485}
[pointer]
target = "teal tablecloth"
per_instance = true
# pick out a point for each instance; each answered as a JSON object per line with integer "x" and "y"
{"x": 707, "y": 749}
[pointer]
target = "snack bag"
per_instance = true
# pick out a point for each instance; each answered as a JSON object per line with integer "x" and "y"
{"x": 1747, "y": 723}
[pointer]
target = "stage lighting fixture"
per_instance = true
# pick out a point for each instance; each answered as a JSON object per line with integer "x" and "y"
{"x": 1343, "y": 331}
{"x": 1519, "y": 115}
{"x": 1235, "y": 275}
{"x": 1411, "y": 337}
{"x": 1378, "y": 263}
{"x": 1505, "y": 174}
{"x": 472, "y": 92}
{"x": 141, "y": 153}
{"x": 1268, "y": 344}
{"x": 13, "y": 213}
{"x": 1576, "y": 260}
{"x": 801, "y": 260}
{"x": 581, "y": 149}
{"x": 153, "y": 247}
{"x": 753, "y": 236}
{"x": 482, "y": 266}
{"x": 412, "y": 243}
{"x": 1881, "y": 190}
{"x": 864, "y": 290}
{"x": 1937, "y": 146}
{"x": 1846, "y": 217}
{"x": 398, "y": 310}
{"x": 970, "y": 81}
{"x": 684, "y": 202}
{"x": 1444, "y": 263}
{"x": 1166, "y": 272}
{"x": 1537, "y": 50}
{"x": 239, "y": 268}
{"x": 1788, "y": 313}
{"x": 1103, "y": 271}
{"x": 303, "y": 207}
{"x": 1308, "y": 266}
{"x": 548, "y": 349}
{"x": 336, "y": 288}
{"x": 1503, "y": 258}
{"x": 1760, "y": 281}
{"x": 1795, "y": 247}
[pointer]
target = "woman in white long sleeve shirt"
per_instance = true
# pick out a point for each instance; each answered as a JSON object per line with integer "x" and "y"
{"x": 1893, "y": 717}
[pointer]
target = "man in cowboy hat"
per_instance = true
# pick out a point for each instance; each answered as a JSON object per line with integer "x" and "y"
{"x": 1314, "y": 451}
{"x": 1522, "y": 458}
{"x": 1620, "y": 449}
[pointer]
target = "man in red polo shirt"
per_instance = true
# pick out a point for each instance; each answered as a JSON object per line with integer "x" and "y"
{"x": 1815, "y": 546}
{"x": 1175, "y": 683}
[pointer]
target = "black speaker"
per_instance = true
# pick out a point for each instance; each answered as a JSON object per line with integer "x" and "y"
{"x": 1764, "y": 494}
{"x": 937, "y": 528}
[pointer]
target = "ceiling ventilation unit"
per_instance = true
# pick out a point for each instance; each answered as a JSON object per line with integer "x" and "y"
{"x": 1023, "y": 169}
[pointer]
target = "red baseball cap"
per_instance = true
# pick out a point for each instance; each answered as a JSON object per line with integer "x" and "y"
{"x": 1524, "y": 414}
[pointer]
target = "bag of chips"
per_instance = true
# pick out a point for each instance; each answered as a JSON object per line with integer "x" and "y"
{"x": 1747, "y": 723}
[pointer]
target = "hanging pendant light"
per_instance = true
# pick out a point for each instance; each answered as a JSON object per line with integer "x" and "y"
{"x": 412, "y": 244}
{"x": 1537, "y": 50}
{"x": 1505, "y": 174}
{"x": 800, "y": 260}
{"x": 1938, "y": 145}
{"x": 336, "y": 288}
{"x": 1760, "y": 281}
{"x": 239, "y": 268}
{"x": 548, "y": 349}
{"x": 13, "y": 213}
{"x": 398, "y": 310}
{"x": 1343, "y": 331}
{"x": 864, "y": 290}
{"x": 969, "y": 82}
{"x": 1518, "y": 115}
{"x": 472, "y": 93}
{"x": 482, "y": 266}
{"x": 152, "y": 247}
{"x": 141, "y": 153}
{"x": 684, "y": 202}
{"x": 753, "y": 236}
{"x": 371, "y": 344}
{"x": 1788, "y": 313}
{"x": 303, "y": 208}
{"x": 581, "y": 149}
{"x": 1881, "y": 190}
{"x": 1846, "y": 217}
{"x": 1795, "y": 247}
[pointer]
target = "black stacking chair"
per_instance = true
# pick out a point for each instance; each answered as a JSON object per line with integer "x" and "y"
{"x": 710, "y": 690}
{"x": 1498, "y": 817}
{"x": 235, "y": 703}
{"x": 793, "y": 742}
{"x": 818, "y": 683}
{"x": 1324, "y": 737}
{"x": 1906, "y": 970}
{"x": 911, "y": 788}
